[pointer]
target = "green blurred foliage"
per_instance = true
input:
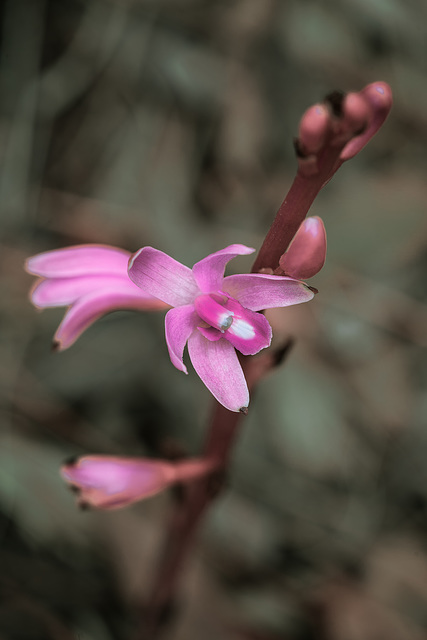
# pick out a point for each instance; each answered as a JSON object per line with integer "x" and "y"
{"x": 170, "y": 123}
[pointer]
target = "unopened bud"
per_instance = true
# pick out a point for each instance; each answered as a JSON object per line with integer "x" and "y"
{"x": 109, "y": 482}
{"x": 356, "y": 112}
{"x": 379, "y": 99}
{"x": 313, "y": 129}
{"x": 379, "y": 96}
{"x": 307, "y": 252}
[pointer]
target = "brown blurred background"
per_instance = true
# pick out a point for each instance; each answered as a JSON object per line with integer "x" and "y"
{"x": 170, "y": 123}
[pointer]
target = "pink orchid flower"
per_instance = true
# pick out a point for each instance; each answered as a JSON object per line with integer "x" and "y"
{"x": 91, "y": 280}
{"x": 214, "y": 314}
{"x": 111, "y": 482}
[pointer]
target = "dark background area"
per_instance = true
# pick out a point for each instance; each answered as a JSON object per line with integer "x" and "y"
{"x": 170, "y": 123}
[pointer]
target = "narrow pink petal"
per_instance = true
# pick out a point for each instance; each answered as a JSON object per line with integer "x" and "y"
{"x": 257, "y": 291}
{"x": 80, "y": 260}
{"x": 109, "y": 482}
{"x": 249, "y": 331}
{"x": 59, "y": 292}
{"x": 179, "y": 325}
{"x": 162, "y": 276}
{"x": 307, "y": 252}
{"x": 218, "y": 366}
{"x": 209, "y": 272}
{"x": 92, "y": 306}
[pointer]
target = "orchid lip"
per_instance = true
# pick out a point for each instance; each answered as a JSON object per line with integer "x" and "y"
{"x": 243, "y": 329}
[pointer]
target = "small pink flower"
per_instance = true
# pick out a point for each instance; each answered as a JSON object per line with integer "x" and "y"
{"x": 215, "y": 315}
{"x": 110, "y": 482}
{"x": 91, "y": 280}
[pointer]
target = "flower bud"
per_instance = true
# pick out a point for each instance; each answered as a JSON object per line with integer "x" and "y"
{"x": 307, "y": 252}
{"x": 313, "y": 129}
{"x": 356, "y": 112}
{"x": 109, "y": 482}
{"x": 379, "y": 99}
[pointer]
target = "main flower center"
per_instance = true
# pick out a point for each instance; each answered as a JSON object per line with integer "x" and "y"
{"x": 246, "y": 330}
{"x": 211, "y": 309}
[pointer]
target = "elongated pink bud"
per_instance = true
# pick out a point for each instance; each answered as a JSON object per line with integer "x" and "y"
{"x": 379, "y": 99}
{"x": 356, "y": 112}
{"x": 313, "y": 128}
{"x": 109, "y": 482}
{"x": 307, "y": 252}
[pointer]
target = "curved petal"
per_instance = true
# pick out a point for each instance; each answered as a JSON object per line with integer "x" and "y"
{"x": 257, "y": 291}
{"x": 163, "y": 277}
{"x": 217, "y": 365}
{"x": 249, "y": 331}
{"x": 179, "y": 325}
{"x": 79, "y": 260}
{"x": 60, "y": 292}
{"x": 209, "y": 272}
{"x": 91, "y": 307}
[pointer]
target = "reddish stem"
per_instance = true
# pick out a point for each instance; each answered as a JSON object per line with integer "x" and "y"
{"x": 196, "y": 498}
{"x": 293, "y": 210}
{"x": 224, "y": 425}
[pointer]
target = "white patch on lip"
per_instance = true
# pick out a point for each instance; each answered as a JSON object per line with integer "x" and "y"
{"x": 242, "y": 329}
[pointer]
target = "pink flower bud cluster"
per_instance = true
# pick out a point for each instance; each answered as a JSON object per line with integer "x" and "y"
{"x": 347, "y": 120}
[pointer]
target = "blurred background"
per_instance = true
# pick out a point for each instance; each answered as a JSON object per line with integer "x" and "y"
{"x": 170, "y": 123}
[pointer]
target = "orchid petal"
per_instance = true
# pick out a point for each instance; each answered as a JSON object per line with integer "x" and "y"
{"x": 179, "y": 325}
{"x": 163, "y": 277}
{"x": 217, "y": 365}
{"x": 92, "y": 306}
{"x": 59, "y": 292}
{"x": 249, "y": 332}
{"x": 257, "y": 291}
{"x": 209, "y": 272}
{"x": 79, "y": 260}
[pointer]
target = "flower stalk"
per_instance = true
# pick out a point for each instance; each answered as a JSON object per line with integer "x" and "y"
{"x": 329, "y": 135}
{"x": 220, "y": 318}
{"x": 197, "y": 497}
